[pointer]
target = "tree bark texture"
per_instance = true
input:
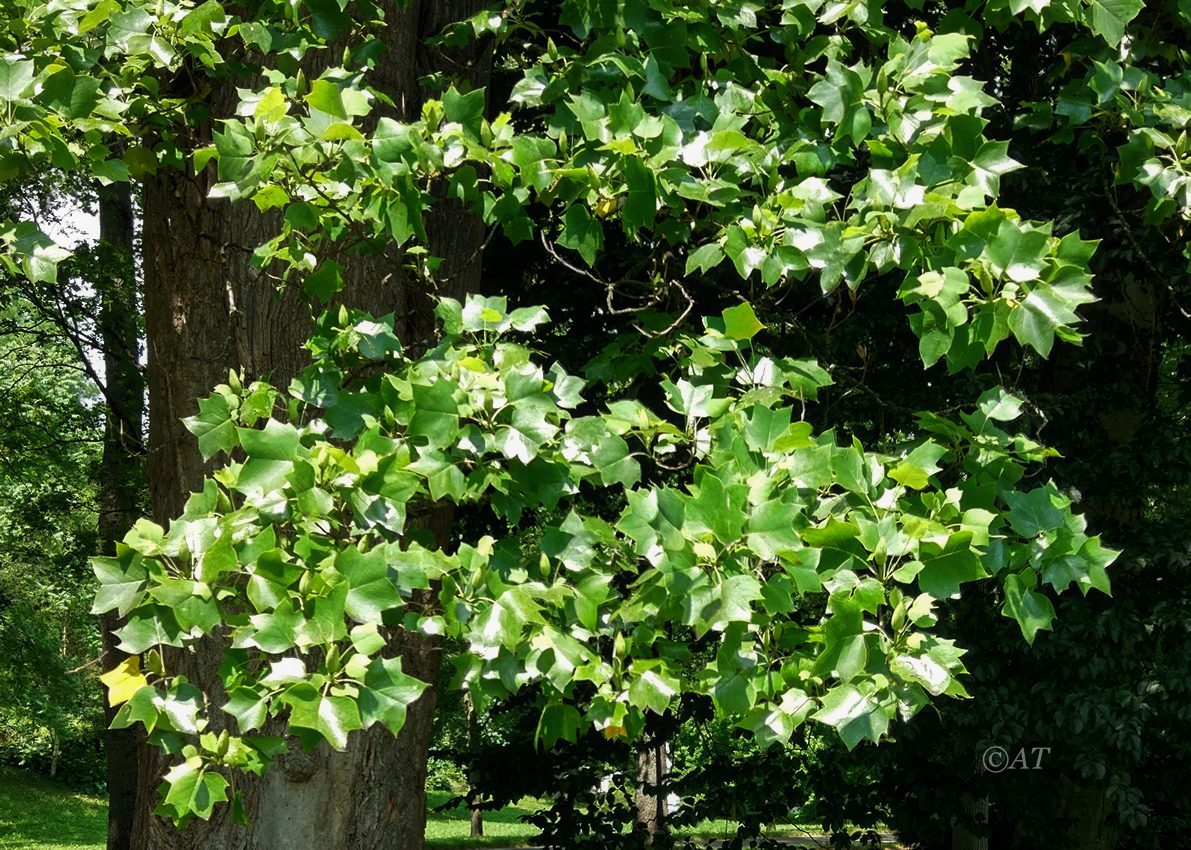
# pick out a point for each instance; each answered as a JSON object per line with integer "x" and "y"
{"x": 122, "y": 479}
{"x": 207, "y": 311}
{"x": 971, "y": 833}
{"x": 653, "y": 773}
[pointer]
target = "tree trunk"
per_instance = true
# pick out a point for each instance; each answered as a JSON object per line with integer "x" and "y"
{"x": 1088, "y": 816}
{"x": 971, "y": 833}
{"x": 207, "y": 311}
{"x": 473, "y": 747}
{"x": 653, "y": 770}
{"x": 123, "y": 473}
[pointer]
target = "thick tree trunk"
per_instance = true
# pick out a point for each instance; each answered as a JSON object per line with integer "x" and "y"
{"x": 972, "y": 832}
{"x": 123, "y": 473}
{"x": 1088, "y": 816}
{"x": 207, "y": 311}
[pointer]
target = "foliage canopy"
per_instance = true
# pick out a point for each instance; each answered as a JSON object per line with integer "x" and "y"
{"x": 654, "y": 148}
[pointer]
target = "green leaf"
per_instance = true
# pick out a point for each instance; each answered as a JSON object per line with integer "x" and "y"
{"x": 719, "y": 508}
{"x": 693, "y": 401}
{"x": 121, "y": 583}
{"x": 653, "y": 690}
{"x": 923, "y": 670}
{"x": 248, "y": 707}
{"x": 1018, "y": 254}
{"x": 372, "y": 592}
{"x": 73, "y": 96}
{"x": 326, "y": 96}
{"x": 741, "y": 323}
{"x": 915, "y": 469}
{"x": 219, "y": 558}
{"x": 581, "y": 232}
{"x": 324, "y": 281}
{"x": 181, "y": 707}
{"x": 332, "y": 717}
{"x": 276, "y": 441}
{"x": 464, "y": 109}
{"x": 141, "y": 708}
{"x": 856, "y": 714}
{"x": 258, "y": 477}
{"x": 705, "y": 258}
{"x": 641, "y": 203}
{"x": 737, "y": 595}
{"x": 502, "y": 623}
{"x": 995, "y": 405}
{"x": 213, "y": 426}
{"x": 392, "y": 140}
{"x": 149, "y": 626}
{"x": 525, "y": 436}
{"x": 1038, "y": 511}
{"x": 766, "y": 426}
{"x": 1108, "y": 18}
{"x": 733, "y": 693}
{"x": 571, "y": 545}
{"x": 189, "y": 789}
{"x": 559, "y": 722}
{"x": 775, "y": 725}
{"x": 838, "y": 92}
{"x": 771, "y": 529}
{"x": 944, "y": 573}
{"x": 15, "y": 78}
{"x": 276, "y": 630}
{"x": 388, "y": 693}
{"x": 851, "y": 658}
{"x": 272, "y": 106}
{"x": 436, "y": 414}
{"x": 1046, "y": 309}
{"x": 1031, "y": 610}
{"x": 805, "y": 376}
{"x": 989, "y": 163}
{"x": 141, "y": 162}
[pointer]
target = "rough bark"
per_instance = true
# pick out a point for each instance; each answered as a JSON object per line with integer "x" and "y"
{"x": 653, "y": 769}
{"x": 971, "y": 833}
{"x": 207, "y": 311}
{"x": 122, "y": 478}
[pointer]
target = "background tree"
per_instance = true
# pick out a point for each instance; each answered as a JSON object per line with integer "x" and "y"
{"x": 50, "y": 711}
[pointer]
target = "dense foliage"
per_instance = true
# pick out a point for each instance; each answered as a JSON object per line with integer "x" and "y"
{"x": 701, "y": 525}
{"x": 306, "y": 530}
{"x": 50, "y": 711}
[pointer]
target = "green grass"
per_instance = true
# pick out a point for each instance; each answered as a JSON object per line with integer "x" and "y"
{"x": 36, "y": 814}
{"x": 451, "y": 828}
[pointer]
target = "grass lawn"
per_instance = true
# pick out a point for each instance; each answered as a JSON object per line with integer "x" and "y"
{"x": 451, "y": 828}
{"x": 37, "y": 814}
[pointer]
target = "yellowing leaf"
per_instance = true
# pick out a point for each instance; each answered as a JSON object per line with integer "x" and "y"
{"x": 612, "y": 732}
{"x": 124, "y": 680}
{"x": 272, "y": 106}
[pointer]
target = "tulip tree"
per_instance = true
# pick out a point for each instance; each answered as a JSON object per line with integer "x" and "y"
{"x": 655, "y": 149}
{"x": 301, "y": 553}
